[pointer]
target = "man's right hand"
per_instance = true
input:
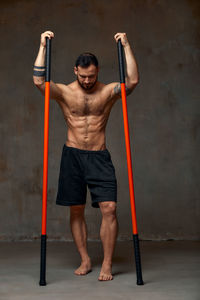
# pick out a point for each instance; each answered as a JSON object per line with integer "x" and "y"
{"x": 45, "y": 34}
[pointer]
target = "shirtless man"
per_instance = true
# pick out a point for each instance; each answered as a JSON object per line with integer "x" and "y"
{"x": 86, "y": 104}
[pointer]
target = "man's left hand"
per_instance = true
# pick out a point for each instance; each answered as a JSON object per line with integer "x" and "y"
{"x": 122, "y": 37}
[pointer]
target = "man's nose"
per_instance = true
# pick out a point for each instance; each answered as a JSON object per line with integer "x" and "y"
{"x": 86, "y": 80}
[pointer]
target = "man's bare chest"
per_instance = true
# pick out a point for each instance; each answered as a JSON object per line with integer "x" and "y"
{"x": 85, "y": 105}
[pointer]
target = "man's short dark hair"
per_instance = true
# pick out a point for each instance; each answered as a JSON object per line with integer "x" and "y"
{"x": 86, "y": 59}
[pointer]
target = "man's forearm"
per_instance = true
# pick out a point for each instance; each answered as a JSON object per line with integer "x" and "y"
{"x": 131, "y": 66}
{"x": 132, "y": 77}
{"x": 40, "y": 60}
{"x": 39, "y": 66}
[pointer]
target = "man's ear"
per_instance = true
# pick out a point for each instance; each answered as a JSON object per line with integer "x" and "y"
{"x": 75, "y": 70}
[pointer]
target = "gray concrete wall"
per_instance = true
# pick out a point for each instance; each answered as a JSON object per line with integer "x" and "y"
{"x": 163, "y": 113}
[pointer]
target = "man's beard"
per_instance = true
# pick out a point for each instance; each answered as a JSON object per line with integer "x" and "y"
{"x": 85, "y": 87}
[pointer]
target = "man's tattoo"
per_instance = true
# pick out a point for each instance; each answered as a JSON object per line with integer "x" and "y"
{"x": 117, "y": 90}
{"x": 39, "y": 73}
{"x": 39, "y": 67}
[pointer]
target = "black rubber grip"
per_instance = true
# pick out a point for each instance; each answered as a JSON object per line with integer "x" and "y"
{"x": 137, "y": 259}
{"x": 43, "y": 261}
{"x": 48, "y": 60}
{"x": 121, "y": 61}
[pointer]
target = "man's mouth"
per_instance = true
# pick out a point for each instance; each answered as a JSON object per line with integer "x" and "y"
{"x": 87, "y": 86}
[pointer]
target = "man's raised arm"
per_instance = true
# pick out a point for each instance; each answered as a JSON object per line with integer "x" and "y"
{"x": 39, "y": 70}
{"x": 132, "y": 77}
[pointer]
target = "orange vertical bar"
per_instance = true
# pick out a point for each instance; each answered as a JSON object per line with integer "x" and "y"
{"x": 45, "y": 160}
{"x": 129, "y": 161}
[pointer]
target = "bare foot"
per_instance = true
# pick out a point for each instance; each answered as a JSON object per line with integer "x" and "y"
{"x": 84, "y": 268}
{"x": 106, "y": 272}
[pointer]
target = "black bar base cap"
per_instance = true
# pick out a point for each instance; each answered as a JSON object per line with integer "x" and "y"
{"x": 137, "y": 260}
{"x": 140, "y": 282}
{"x": 42, "y": 283}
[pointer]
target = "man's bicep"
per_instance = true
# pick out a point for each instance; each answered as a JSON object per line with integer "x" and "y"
{"x": 116, "y": 90}
{"x": 56, "y": 90}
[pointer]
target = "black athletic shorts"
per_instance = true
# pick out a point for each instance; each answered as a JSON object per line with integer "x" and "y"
{"x": 82, "y": 168}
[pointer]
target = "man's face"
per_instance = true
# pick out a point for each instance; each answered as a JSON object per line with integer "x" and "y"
{"x": 86, "y": 77}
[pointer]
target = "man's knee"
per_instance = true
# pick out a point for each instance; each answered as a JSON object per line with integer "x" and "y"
{"x": 108, "y": 208}
{"x": 77, "y": 210}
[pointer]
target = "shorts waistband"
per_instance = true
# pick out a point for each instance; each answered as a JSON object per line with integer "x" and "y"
{"x": 85, "y": 151}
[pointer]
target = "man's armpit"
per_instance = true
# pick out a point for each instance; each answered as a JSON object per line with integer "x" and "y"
{"x": 117, "y": 90}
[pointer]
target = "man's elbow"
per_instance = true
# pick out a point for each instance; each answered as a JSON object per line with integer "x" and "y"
{"x": 39, "y": 83}
{"x": 134, "y": 82}
{"x": 38, "y": 80}
{"x": 131, "y": 86}
{"x": 131, "y": 83}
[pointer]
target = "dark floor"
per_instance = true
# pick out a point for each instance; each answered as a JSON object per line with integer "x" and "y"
{"x": 171, "y": 270}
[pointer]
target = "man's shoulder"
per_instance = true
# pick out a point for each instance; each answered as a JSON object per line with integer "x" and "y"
{"x": 66, "y": 87}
